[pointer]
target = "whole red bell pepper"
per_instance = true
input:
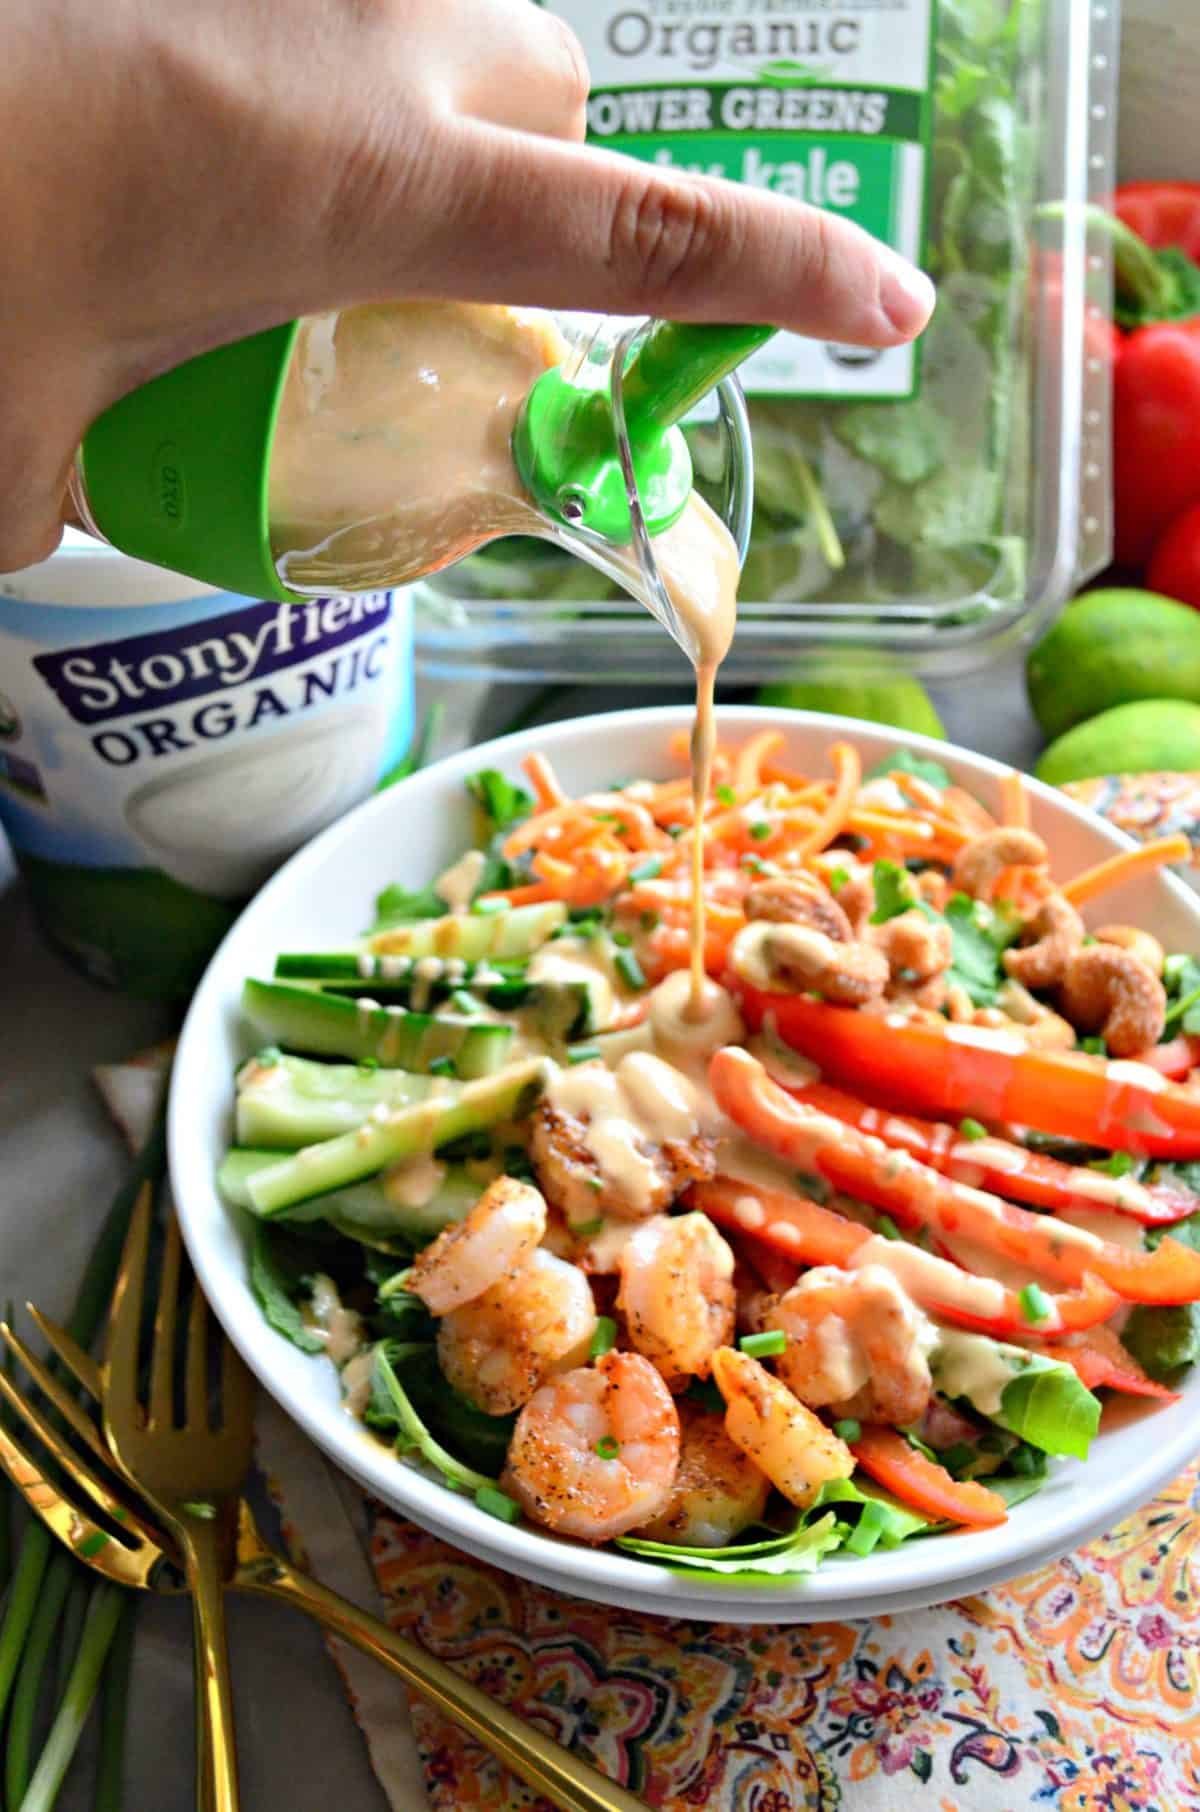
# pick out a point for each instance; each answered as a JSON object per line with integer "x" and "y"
{"x": 1156, "y": 377}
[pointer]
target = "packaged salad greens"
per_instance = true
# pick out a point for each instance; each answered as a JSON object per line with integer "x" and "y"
{"x": 934, "y": 500}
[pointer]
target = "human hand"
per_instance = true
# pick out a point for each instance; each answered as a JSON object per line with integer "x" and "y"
{"x": 177, "y": 177}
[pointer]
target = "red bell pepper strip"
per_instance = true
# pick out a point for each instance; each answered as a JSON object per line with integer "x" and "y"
{"x": 1000, "y": 1165}
{"x": 917, "y": 1196}
{"x": 811, "y": 1235}
{"x": 924, "y": 1485}
{"x": 959, "y": 1070}
{"x": 1174, "y": 568}
{"x": 1099, "y": 1360}
{"x": 1178, "y": 1057}
{"x": 1156, "y": 380}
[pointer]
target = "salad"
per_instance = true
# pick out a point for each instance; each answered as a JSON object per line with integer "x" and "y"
{"x": 849, "y": 1256}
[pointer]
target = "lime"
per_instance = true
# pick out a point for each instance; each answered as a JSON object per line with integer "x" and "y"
{"x": 1153, "y": 733}
{"x": 1110, "y": 648}
{"x": 852, "y": 686}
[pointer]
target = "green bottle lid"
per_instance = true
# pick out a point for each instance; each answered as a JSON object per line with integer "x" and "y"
{"x": 177, "y": 472}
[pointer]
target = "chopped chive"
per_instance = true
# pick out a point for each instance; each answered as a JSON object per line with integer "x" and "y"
{"x": 726, "y": 795}
{"x": 863, "y": 1539}
{"x": 650, "y": 921}
{"x": 269, "y": 1056}
{"x": 848, "y": 1429}
{"x": 756, "y": 865}
{"x": 607, "y": 1448}
{"x": 368, "y": 1065}
{"x": 972, "y": 1129}
{"x": 1095, "y": 1047}
{"x": 647, "y": 870}
{"x": 498, "y": 1503}
{"x": 1035, "y": 1304}
{"x": 1119, "y": 1165}
{"x": 676, "y": 830}
{"x": 582, "y": 1053}
{"x": 586, "y": 1229}
{"x": 838, "y": 878}
{"x": 887, "y": 1226}
{"x": 956, "y": 1457}
{"x": 922, "y": 1447}
{"x": 629, "y": 969}
{"x": 462, "y": 1002}
{"x": 605, "y": 1337}
{"x": 764, "y": 1345}
{"x": 484, "y": 908}
{"x": 596, "y": 1183}
{"x": 622, "y": 939}
{"x": 442, "y": 1066}
{"x": 760, "y": 831}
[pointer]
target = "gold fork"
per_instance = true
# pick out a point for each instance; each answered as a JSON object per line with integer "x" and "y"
{"x": 134, "y": 1551}
{"x": 191, "y": 1472}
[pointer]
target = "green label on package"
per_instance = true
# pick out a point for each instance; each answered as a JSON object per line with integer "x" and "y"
{"x": 827, "y": 101}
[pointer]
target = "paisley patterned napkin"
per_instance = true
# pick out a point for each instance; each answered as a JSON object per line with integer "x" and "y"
{"x": 1074, "y": 1689}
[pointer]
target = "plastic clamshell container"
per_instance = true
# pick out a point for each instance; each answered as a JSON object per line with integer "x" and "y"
{"x": 938, "y": 526}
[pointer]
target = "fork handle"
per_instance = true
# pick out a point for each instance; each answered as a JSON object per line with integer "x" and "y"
{"x": 571, "y": 1783}
{"x": 216, "y": 1754}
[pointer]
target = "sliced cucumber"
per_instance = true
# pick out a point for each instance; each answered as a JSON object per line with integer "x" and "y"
{"x": 369, "y": 1211}
{"x": 291, "y": 1101}
{"x": 330, "y": 1025}
{"x": 399, "y": 978}
{"x": 471, "y": 935}
{"x": 406, "y": 1133}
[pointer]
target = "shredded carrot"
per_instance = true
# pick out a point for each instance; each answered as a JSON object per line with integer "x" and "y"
{"x": 1123, "y": 867}
{"x": 847, "y": 769}
{"x": 544, "y": 781}
{"x": 964, "y": 808}
{"x": 747, "y": 773}
{"x": 1014, "y": 800}
{"x": 918, "y": 790}
{"x": 531, "y": 895}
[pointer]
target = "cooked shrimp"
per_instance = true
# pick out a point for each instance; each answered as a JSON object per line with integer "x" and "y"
{"x": 798, "y": 900}
{"x": 569, "y": 1158}
{"x": 844, "y": 974}
{"x": 775, "y": 1430}
{"x": 980, "y": 862}
{"x": 595, "y": 1451}
{"x": 497, "y": 1348}
{"x": 917, "y": 949}
{"x": 495, "y": 1239}
{"x": 677, "y": 1293}
{"x": 1111, "y": 991}
{"x": 1139, "y": 943}
{"x": 856, "y": 1341}
{"x": 718, "y": 1490}
{"x": 1049, "y": 941}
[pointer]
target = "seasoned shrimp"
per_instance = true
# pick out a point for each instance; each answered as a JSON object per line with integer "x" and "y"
{"x": 595, "y": 1451}
{"x": 1111, "y": 991}
{"x": 856, "y": 1341}
{"x": 1139, "y": 943}
{"x": 798, "y": 900}
{"x": 676, "y": 1293}
{"x": 775, "y": 1430}
{"x": 845, "y": 974}
{"x": 1049, "y": 941}
{"x": 623, "y": 1143}
{"x": 718, "y": 1489}
{"x": 497, "y": 1348}
{"x": 980, "y": 862}
{"x": 494, "y": 1240}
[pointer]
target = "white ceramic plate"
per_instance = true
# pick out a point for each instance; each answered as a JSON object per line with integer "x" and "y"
{"x": 408, "y": 834}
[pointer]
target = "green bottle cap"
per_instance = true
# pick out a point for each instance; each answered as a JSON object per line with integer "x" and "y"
{"x": 177, "y": 472}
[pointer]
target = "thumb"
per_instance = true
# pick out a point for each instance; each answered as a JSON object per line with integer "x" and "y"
{"x": 560, "y": 225}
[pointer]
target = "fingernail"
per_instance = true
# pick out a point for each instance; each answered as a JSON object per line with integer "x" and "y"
{"x": 906, "y": 295}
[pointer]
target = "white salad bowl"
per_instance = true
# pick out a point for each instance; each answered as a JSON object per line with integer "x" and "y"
{"x": 408, "y": 834}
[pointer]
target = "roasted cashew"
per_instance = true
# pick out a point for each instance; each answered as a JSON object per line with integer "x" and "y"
{"x": 1111, "y": 991}
{"x": 845, "y": 974}
{"x": 980, "y": 862}
{"x": 799, "y": 900}
{"x": 1139, "y": 943}
{"x": 917, "y": 948}
{"x": 1054, "y": 934}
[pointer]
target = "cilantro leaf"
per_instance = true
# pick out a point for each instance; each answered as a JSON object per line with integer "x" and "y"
{"x": 399, "y": 905}
{"x": 894, "y": 892}
{"x": 502, "y": 802}
{"x": 980, "y": 935}
{"x": 932, "y": 772}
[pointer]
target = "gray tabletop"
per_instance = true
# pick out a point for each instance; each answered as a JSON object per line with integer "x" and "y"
{"x": 61, "y": 1163}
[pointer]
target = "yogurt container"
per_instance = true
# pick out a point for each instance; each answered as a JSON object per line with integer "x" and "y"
{"x": 164, "y": 745}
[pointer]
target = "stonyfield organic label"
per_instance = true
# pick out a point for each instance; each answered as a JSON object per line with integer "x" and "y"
{"x": 824, "y": 100}
{"x": 158, "y": 761}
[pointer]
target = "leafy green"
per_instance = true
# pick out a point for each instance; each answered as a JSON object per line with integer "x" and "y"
{"x": 399, "y": 905}
{"x": 501, "y": 800}
{"x": 786, "y": 1555}
{"x": 932, "y": 772}
{"x": 908, "y": 446}
{"x": 1187, "y": 1231}
{"x": 894, "y": 892}
{"x": 1162, "y": 1340}
{"x": 980, "y": 935}
{"x": 1049, "y": 1406}
{"x": 391, "y": 1405}
{"x": 463, "y": 1435}
{"x": 1182, "y": 977}
{"x": 279, "y": 1287}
